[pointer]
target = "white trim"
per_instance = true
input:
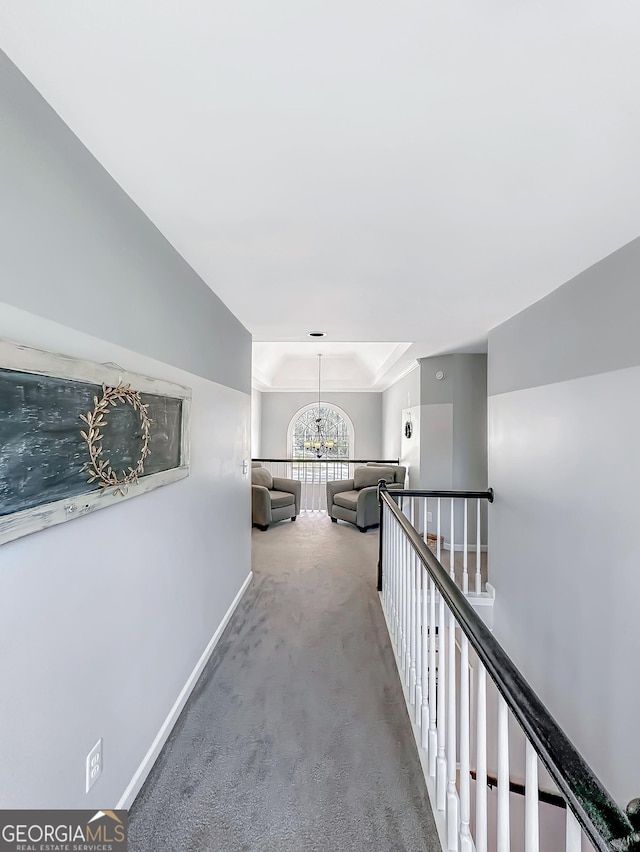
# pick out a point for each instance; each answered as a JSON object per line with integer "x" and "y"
{"x": 484, "y": 605}
{"x": 26, "y": 359}
{"x": 141, "y": 773}
{"x": 326, "y": 388}
{"x": 379, "y": 386}
{"x": 384, "y": 386}
{"x": 471, "y": 548}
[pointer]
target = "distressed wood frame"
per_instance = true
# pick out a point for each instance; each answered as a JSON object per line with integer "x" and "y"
{"x": 25, "y": 359}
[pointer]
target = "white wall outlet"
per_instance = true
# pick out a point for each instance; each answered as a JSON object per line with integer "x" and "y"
{"x": 94, "y": 765}
{"x": 429, "y": 517}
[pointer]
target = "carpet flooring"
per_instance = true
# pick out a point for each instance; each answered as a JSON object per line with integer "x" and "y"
{"x": 296, "y": 737}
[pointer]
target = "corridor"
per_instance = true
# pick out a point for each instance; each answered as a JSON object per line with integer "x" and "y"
{"x": 296, "y": 738}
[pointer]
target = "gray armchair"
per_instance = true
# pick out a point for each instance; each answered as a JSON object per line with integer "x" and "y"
{"x": 356, "y": 500}
{"x": 273, "y": 498}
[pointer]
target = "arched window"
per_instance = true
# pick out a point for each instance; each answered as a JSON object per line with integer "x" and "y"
{"x": 337, "y": 430}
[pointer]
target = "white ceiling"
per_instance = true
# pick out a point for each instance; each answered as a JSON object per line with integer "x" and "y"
{"x": 384, "y": 171}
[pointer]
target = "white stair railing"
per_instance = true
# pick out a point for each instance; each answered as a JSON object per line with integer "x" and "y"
{"x": 453, "y": 524}
{"x": 314, "y": 475}
{"x": 444, "y": 652}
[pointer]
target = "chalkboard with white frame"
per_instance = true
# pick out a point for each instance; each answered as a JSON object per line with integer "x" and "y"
{"x": 42, "y": 450}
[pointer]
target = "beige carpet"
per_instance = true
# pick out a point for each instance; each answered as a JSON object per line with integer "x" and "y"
{"x": 296, "y": 738}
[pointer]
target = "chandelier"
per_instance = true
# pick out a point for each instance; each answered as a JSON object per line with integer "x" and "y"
{"x": 319, "y": 445}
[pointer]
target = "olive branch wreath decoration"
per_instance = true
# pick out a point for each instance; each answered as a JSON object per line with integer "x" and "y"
{"x": 100, "y": 468}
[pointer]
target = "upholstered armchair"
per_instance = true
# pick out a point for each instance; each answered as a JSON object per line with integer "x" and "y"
{"x": 273, "y": 498}
{"x": 356, "y": 500}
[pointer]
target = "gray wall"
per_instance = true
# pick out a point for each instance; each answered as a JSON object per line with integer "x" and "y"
{"x": 470, "y": 422}
{"x": 588, "y": 326}
{"x": 364, "y": 409}
{"x": 103, "y": 619}
{"x": 453, "y": 427}
{"x": 405, "y": 393}
{"x": 76, "y": 249}
{"x": 564, "y": 378}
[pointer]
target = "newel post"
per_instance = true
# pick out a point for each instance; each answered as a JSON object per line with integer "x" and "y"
{"x": 382, "y": 486}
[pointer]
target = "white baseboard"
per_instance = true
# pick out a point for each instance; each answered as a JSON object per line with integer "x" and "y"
{"x": 471, "y": 548}
{"x": 135, "y": 785}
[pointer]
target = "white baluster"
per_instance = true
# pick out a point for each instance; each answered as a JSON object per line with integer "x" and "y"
{"x": 466, "y": 841}
{"x": 478, "y": 550}
{"x": 419, "y": 629}
{"x": 481, "y": 760}
{"x": 399, "y": 552}
{"x": 574, "y": 833}
{"x": 412, "y": 612}
{"x": 392, "y": 578}
{"x": 531, "y": 807}
{"x": 452, "y": 571}
{"x": 385, "y": 560}
{"x": 402, "y": 649}
{"x": 407, "y": 610}
{"x": 453, "y": 824}
{"x": 441, "y": 762}
{"x": 316, "y": 483}
{"x": 465, "y": 553}
{"x": 314, "y": 491}
{"x": 407, "y": 674}
{"x": 398, "y": 594}
{"x": 313, "y": 487}
{"x": 323, "y": 488}
{"x": 422, "y": 665}
{"x": 413, "y": 627}
{"x": 403, "y": 609}
{"x": 433, "y": 735}
{"x": 438, "y": 549}
{"x": 424, "y": 681}
{"x": 389, "y": 541}
{"x": 424, "y": 519}
{"x": 397, "y": 546}
{"x": 504, "y": 839}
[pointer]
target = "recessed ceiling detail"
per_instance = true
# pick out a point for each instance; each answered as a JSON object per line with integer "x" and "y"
{"x": 345, "y": 366}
